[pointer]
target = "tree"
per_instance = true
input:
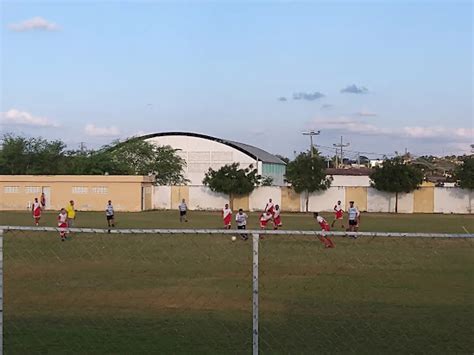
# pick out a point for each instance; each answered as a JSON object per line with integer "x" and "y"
{"x": 307, "y": 174}
{"x": 232, "y": 180}
{"x": 20, "y": 156}
{"x": 144, "y": 158}
{"x": 465, "y": 173}
{"x": 266, "y": 181}
{"x": 396, "y": 176}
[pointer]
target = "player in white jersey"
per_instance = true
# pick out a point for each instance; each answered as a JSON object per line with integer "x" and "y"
{"x": 110, "y": 215}
{"x": 36, "y": 210}
{"x": 354, "y": 217}
{"x": 227, "y": 216}
{"x": 269, "y": 207}
{"x": 62, "y": 224}
{"x": 241, "y": 220}
{"x": 183, "y": 210}
{"x": 277, "y": 217}
{"x": 324, "y": 228}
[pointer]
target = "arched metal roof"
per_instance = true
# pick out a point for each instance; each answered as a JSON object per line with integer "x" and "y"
{"x": 250, "y": 150}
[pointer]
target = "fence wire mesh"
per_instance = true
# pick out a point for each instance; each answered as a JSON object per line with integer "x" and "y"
{"x": 149, "y": 292}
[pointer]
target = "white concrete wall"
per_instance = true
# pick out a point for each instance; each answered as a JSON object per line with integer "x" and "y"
{"x": 405, "y": 203}
{"x": 446, "y": 199}
{"x": 379, "y": 201}
{"x": 259, "y": 197}
{"x": 452, "y": 200}
{"x": 201, "y": 154}
{"x": 350, "y": 180}
{"x": 162, "y": 197}
{"x": 202, "y": 198}
{"x": 324, "y": 200}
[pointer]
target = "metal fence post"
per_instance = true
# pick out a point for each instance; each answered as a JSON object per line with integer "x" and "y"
{"x": 255, "y": 241}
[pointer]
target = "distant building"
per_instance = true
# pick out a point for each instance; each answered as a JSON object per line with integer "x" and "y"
{"x": 89, "y": 192}
{"x": 375, "y": 162}
{"x": 202, "y": 152}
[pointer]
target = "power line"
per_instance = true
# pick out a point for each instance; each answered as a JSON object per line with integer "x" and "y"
{"x": 341, "y": 145}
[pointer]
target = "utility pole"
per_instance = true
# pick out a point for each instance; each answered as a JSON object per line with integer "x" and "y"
{"x": 311, "y": 133}
{"x": 341, "y": 145}
{"x": 82, "y": 147}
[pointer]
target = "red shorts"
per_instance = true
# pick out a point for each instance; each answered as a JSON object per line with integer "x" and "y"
{"x": 277, "y": 221}
{"x": 339, "y": 214}
{"x": 263, "y": 224}
{"x": 325, "y": 227}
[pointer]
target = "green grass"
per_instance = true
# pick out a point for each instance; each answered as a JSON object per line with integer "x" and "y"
{"x": 124, "y": 294}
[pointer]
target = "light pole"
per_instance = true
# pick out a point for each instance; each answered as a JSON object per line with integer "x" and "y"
{"x": 311, "y": 133}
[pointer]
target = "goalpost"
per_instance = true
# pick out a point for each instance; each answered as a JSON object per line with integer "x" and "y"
{"x": 255, "y": 241}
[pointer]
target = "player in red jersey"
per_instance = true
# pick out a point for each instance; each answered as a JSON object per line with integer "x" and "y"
{"x": 264, "y": 218}
{"x": 36, "y": 210}
{"x": 227, "y": 216}
{"x": 62, "y": 224}
{"x": 325, "y": 228}
{"x": 269, "y": 208}
{"x": 338, "y": 214}
{"x": 277, "y": 217}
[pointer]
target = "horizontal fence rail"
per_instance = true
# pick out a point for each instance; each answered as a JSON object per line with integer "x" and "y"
{"x": 239, "y": 231}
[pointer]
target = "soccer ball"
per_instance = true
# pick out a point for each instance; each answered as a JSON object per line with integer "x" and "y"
{"x": 234, "y": 238}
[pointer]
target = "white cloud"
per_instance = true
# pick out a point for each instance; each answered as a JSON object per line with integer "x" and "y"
{"x": 351, "y": 125}
{"x": 439, "y": 132}
{"x": 34, "y": 24}
{"x": 93, "y": 130}
{"x": 23, "y": 118}
{"x": 365, "y": 113}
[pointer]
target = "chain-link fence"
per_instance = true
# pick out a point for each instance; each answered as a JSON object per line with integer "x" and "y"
{"x": 198, "y": 291}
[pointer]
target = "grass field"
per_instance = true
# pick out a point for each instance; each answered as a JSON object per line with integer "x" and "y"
{"x": 192, "y": 294}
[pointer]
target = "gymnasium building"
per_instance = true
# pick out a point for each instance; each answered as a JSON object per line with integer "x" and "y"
{"x": 202, "y": 152}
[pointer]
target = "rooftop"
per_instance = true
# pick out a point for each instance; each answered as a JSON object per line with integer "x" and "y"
{"x": 250, "y": 150}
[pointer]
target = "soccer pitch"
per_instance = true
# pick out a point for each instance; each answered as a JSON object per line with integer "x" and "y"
{"x": 192, "y": 293}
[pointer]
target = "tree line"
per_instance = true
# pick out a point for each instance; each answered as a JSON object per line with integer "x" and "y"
{"x": 306, "y": 173}
{"x": 38, "y": 156}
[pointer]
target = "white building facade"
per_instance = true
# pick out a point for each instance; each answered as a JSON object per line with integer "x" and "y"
{"x": 202, "y": 152}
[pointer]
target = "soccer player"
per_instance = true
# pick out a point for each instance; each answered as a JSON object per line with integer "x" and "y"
{"x": 264, "y": 218}
{"x": 227, "y": 216}
{"x": 277, "y": 217}
{"x": 71, "y": 214}
{"x": 43, "y": 201}
{"x": 183, "y": 210}
{"x": 36, "y": 210}
{"x": 63, "y": 224}
{"x": 354, "y": 217}
{"x": 325, "y": 228}
{"x": 338, "y": 214}
{"x": 109, "y": 214}
{"x": 241, "y": 219}
{"x": 269, "y": 207}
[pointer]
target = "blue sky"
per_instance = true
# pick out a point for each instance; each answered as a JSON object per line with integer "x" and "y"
{"x": 385, "y": 75}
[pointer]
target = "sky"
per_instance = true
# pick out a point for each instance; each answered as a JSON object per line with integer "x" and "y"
{"x": 387, "y": 76}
